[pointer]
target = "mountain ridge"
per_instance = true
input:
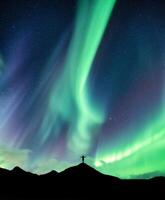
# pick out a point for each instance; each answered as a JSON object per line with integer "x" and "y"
{"x": 75, "y": 170}
{"x": 75, "y": 182}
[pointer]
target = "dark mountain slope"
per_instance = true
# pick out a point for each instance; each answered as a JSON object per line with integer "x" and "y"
{"x": 78, "y": 182}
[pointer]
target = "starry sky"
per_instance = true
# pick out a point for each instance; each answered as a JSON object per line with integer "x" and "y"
{"x": 83, "y": 77}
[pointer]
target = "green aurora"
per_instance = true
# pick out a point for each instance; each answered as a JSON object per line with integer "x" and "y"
{"x": 73, "y": 85}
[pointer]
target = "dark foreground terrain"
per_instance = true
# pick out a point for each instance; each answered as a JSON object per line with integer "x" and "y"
{"x": 78, "y": 182}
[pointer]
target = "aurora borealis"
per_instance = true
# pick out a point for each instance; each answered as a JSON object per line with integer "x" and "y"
{"x": 83, "y": 77}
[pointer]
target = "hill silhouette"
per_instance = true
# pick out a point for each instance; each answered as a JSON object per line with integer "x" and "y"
{"x": 77, "y": 182}
{"x": 51, "y": 173}
{"x": 83, "y": 170}
{"x": 17, "y": 171}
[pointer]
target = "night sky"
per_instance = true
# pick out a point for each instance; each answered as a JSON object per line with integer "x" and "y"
{"x": 83, "y": 77}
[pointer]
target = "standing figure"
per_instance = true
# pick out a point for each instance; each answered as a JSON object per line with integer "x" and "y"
{"x": 83, "y": 158}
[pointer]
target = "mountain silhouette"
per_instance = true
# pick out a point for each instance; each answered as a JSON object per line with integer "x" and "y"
{"x": 4, "y": 172}
{"x": 18, "y": 171}
{"x": 77, "y": 182}
{"x": 51, "y": 173}
{"x": 81, "y": 170}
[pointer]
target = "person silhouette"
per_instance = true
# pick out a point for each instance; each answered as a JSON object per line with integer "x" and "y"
{"x": 83, "y": 158}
